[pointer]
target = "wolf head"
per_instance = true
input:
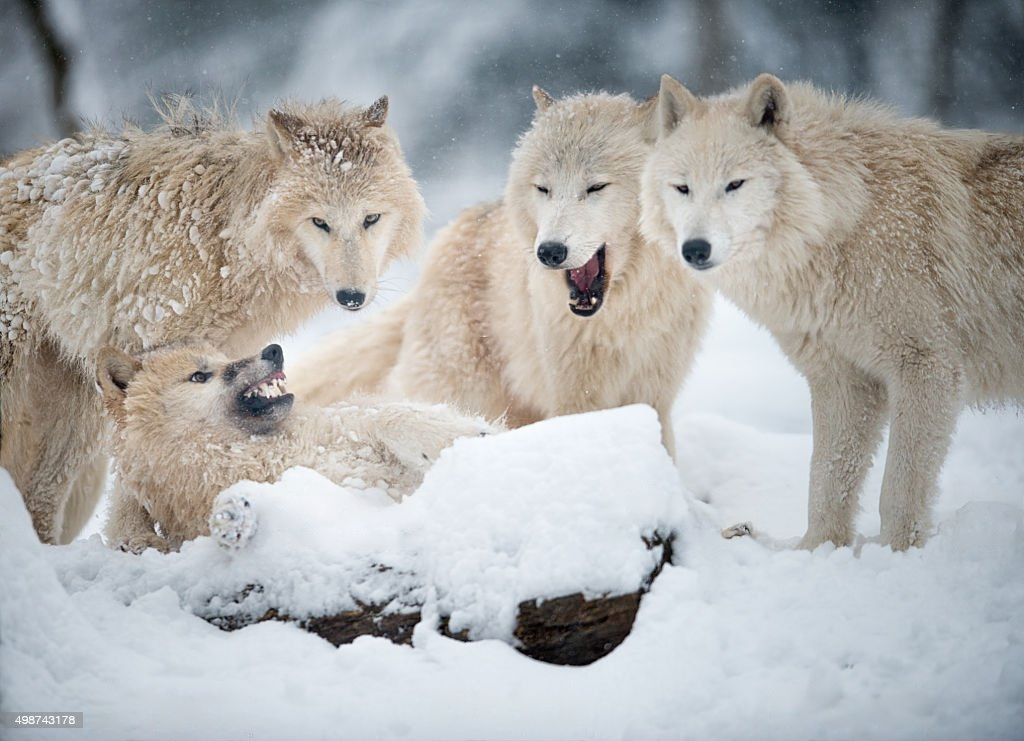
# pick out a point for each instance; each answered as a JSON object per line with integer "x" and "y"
{"x": 573, "y": 189}
{"x": 173, "y": 396}
{"x": 342, "y": 194}
{"x": 723, "y": 180}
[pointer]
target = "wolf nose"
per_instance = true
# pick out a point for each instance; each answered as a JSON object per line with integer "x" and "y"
{"x": 552, "y": 254}
{"x": 273, "y": 353}
{"x": 696, "y": 252}
{"x": 351, "y": 299}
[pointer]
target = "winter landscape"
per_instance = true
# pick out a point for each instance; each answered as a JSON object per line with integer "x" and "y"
{"x": 736, "y": 639}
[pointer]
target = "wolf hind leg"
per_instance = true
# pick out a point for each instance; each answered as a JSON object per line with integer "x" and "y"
{"x": 926, "y": 404}
{"x": 417, "y": 433}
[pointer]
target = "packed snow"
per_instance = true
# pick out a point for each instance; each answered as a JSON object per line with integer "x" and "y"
{"x": 741, "y": 638}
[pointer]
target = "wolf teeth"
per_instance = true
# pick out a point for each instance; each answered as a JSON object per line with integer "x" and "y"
{"x": 268, "y": 389}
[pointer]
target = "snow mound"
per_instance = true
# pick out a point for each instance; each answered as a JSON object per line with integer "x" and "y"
{"x": 559, "y": 507}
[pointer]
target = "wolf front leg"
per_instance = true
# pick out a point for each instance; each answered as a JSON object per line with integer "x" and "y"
{"x": 668, "y": 436}
{"x": 926, "y": 401}
{"x": 53, "y": 441}
{"x": 130, "y": 527}
{"x": 848, "y": 414}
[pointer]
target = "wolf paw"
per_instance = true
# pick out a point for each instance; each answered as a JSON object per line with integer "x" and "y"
{"x": 232, "y": 521}
{"x": 738, "y": 530}
{"x": 138, "y": 543}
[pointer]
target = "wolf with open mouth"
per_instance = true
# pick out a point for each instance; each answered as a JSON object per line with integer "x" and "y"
{"x": 544, "y": 303}
{"x": 190, "y": 423}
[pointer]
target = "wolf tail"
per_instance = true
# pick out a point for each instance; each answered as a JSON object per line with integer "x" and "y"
{"x": 351, "y": 361}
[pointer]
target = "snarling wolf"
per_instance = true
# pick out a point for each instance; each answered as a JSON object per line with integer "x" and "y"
{"x": 190, "y": 423}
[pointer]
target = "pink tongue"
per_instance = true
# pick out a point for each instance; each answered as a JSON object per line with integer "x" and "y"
{"x": 584, "y": 276}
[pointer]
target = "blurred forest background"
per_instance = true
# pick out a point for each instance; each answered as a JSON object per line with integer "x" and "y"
{"x": 459, "y": 72}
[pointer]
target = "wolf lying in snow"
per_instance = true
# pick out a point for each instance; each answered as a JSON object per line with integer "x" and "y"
{"x": 190, "y": 423}
{"x": 548, "y": 302}
{"x": 195, "y": 230}
{"x": 885, "y": 255}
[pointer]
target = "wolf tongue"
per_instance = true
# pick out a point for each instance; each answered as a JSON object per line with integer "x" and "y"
{"x": 583, "y": 276}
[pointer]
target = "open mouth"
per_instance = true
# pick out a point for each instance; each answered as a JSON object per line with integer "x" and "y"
{"x": 265, "y": 395}
{"x": 586, "y": 285}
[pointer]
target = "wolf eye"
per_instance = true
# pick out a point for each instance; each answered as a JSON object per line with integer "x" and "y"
{"x": 596, "y": 188}
{"x": 734, "y": 185}
{"x": 321, "y": 224}
{"x": 684, "y": 189}
{"x": 200, "y": 377}
{"x": 370, "y": 220}
{"x": 542, "y": 189}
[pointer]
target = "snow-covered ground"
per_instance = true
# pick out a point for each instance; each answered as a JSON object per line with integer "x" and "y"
{"x": 738, "y": 639}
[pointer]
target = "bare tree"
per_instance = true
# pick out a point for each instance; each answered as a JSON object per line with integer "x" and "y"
{"x": 57, "y": 59}
{"x": 948, "y": 22}
{"x": 714, "y": 66}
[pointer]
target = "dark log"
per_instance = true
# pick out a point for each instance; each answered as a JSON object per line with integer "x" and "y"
{"x": 569, "y": 630}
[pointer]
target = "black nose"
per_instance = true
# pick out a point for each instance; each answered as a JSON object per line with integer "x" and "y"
{"x": 697, "y": 252}
{"x": 552, "y": 254}
{"x": 274, "y": 354}
{"x": 351, "y": 299}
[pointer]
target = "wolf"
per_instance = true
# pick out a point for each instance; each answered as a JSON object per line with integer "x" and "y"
{"x": 197, "y": 229}
{"x": 546, "y": 302}
{"x": 884, "y": 254}
{"x": 189, "y": 423}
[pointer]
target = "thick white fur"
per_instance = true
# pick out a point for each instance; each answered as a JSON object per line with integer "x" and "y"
{"x": 885, "y": 255}
{"x": 195, "y": 230}
{"x": 179, "y": 443}
{"x": 488, "y": 327}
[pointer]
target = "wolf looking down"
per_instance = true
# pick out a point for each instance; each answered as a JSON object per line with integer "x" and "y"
{"x": 194, "y": 230}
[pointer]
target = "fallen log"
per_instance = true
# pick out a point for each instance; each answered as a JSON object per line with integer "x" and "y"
{"x": 570, "y": 629}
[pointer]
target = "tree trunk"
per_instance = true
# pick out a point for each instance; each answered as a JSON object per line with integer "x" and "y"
{"x": 57, "y": 60}
{"x": 569, "y": 630}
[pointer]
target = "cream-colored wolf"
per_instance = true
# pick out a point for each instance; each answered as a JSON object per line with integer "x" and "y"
{"x": 190, "y": 423}
{"x": 545, "y": 303}
{"x": 194, "y": 230}
{"x": 885, "y": 255}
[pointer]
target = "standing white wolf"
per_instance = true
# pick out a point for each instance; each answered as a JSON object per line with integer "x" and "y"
{"x": 548, "y": 302}
{"x": 885, "y": 255}
{"x": 195, "y": 230}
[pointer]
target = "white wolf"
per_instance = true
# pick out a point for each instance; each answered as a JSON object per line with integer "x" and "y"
{"x": 548, "y": 302}
{"x": 195, "y": 230}
{"x": 190, "y": 423}
{"x": 885, "y": 255}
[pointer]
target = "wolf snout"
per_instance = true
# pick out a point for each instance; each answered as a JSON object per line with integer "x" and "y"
{"x": 274, "y": 354}
{"x": 552, "y": 254}
{"x": 351, "y": 298}
{"x": 697, "y": 253}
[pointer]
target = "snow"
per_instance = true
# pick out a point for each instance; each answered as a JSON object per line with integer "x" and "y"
{"x": 736, "y": 639}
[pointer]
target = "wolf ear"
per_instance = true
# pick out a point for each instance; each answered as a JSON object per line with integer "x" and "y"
{"x": 377, "y": 112}
{"x": 542, "y": 98}
{"x": 767, "y": 104}
{"x": 283, "y": 129}
{"x": 675, "y": 103}
{"x": 114, "y": 371}
{"x": 650, "y": 123}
